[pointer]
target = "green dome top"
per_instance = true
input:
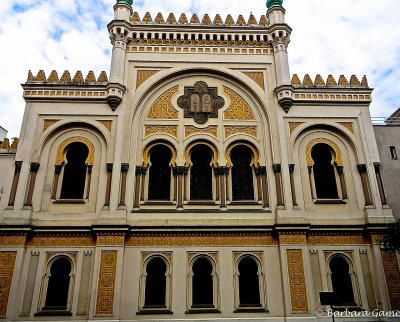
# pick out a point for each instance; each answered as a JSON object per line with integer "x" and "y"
{"x": 128, "y": 2}
{"x": 272, "y": 3}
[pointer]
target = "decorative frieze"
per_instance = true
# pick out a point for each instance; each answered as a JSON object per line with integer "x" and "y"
{"x": 238, "y": 108}
{"x": 232, "y": 130}
{"x": 106, "y": 283}
{"x": 292, "y": 239}
{"x": 201, "y": 50}
{"x": 341, "y": 239}
{"x": 7, "y": 262}
{"x": 12, "y": 241}
{"x": 110, "y": 240}
{"x": 298, "y": 293}
{"x": 155, "y": 129}
{"x": 162, "y": 107}
{"x": 190, "y": 130}
{"x": 61, "y": 241}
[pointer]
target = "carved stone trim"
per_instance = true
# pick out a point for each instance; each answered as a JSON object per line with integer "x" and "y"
{"x": 232, "y": 130}
{"x": 61, "y": 241}
{"x": 110, "y": 240}
{"x": 292, "y": 239}
{"x": 348, "y": 125}
{"x": 7, "y": 262}
{"x": 190, "y": 130}
{"x": 143, "y": 75}
{"x": 212, "y": 147}
{"x": 298, "y": 293}
{"x": 162, "y": 107}
{"x": 338, "y": 155}
{"x": 106, "y": 283}
{"x": 251, "y": 146}
{"x": 154, "y": 129}
{"x": 238, "y": 108}
{"x": 258, "y": 77}
{"x": 146, "y": 158}
{"x": 12, "y": 241}
{"x": 106, "y": 123}
{"x": 61, "y": 148}
{"x": 337, "y": 240}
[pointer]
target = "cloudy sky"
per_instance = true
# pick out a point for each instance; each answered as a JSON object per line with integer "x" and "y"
{"x": 329, "y": 37}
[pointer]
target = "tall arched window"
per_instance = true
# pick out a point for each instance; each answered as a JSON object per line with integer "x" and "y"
{"x": 342, "y": 281}
{"x": 74, "y": 177}
{"x": 160, "y": 173}
{"x": 201, "y": 173}
{"x": 58, "y": 285}
{"x": 202, "y": 283}
{"x": 249, "y": 285}
{"x": 242, "y": 173}
{"x": 324, "y": 172}
{"x": 155, "y": 294}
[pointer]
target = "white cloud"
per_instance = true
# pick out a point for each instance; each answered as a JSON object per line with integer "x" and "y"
{"x": 329, "y": 37}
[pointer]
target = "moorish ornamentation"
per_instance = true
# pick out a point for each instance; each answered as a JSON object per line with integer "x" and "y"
{"x": 146, "y": 158}
{"x": 107, "y": 240}
{"x": 348, "y": 125}
{"x": 392, "y": 275}
{"x": 12, "y": 241}
{"x": 297, "y": 281}
{"x": 106, "y": 123}
{"x": 256, "y": 155}
{"x": 143, "y": 75}
{"x": 211, "y": 146}
{"x": 190, "y": 130}
{"x": 231, "y": 130}
{"x": 48, "y": 123}
{"x": 258, "y": 77}
{"x": 106, "y": 283}
{"x": 338, "y": 155}
{"x": 7, "y": 262}
{"x": 61, "y": 148}
{"x": 238, "y": 108}
{"x": 154, "y": 129}
{"x": 293, "y": 126}
{"x": 61, "y": 241}
{"x": 337, "y": 240}
{"x": 162, "y": 108}
{"x": 293, "y": 239}
{"x": 200, "y": 102}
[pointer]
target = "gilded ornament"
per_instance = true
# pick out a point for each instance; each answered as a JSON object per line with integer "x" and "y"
{"x": 106, "y": 123}
{"x": 66, "y": 77}
{"x": 206, "y": 20}
{"x": 190, "y": 130}
{"x": 249, "y": 145}
{"x": 392, "y": 275}
{"x": 252, "y": 20}
{"x": 348, "y": 125}
{"x": 337, "y": 240}
{"x": 162, "y": 108}
{"x": 146, "y": 156}
{"x": 106, "y": 282}
{"x": 364, "y": 81}
{"x": 307, "y": 80}
{"x": 319, "y": 81}
{"x": 41, "y": 77}
{"x": 30, "y": 77}
{"x": 294, "y": 125}
{"x": 292, "y": 239}
{"x": 194, "y": 19}
{"x": 258, "y": 77}
{"x": 154, "y": 129}
{"x": 159, "y": 18}
{"x": 102, "y": 77}
{"x": 48, "y": 123}
{"x": 78, "y": 78}
{"x": 135, "y": 17}
{"x": 240, "y": 21}
{"x": 183, "y": 19}
{"x": 354, "y": 81}
{"x": 110, "y": 240}
{"x": 218, "y": 20}
{"x": 7, "y": 262}
{"x": 210, "y": 145}
{"x": 298, "y": 293}
{"x": 232, "y": 130}
{"x": 143, "y": 75}
{"x": 90, "y": 78}
{"x": 171, "y": 18}
{"x": 61, "y": 241}
{"x": 5, "y": 144}
{"x": 53, "y": 78}
{"x": 147, "y": 18}
{"x": 263, "y": 21}
{"x": 295, "y": 80}
{"x": 61, "y": 148}
{"x": 229, "y": 20}
{"x": 331, "y": 81}
{"x": 343, "y": 81}
{"x": 238, "y": 108}
{"x": 12, "y": 241}
{"x": 338, "y": 155}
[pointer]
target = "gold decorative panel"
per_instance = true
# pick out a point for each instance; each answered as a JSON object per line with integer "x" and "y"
{"x": 61, "y": 241}
{"x": 238, "y": 108}
{"x": 106, "y": 283}
{"x": 338, "y": 155}
{"x": 170, "y": 240}
{"x": 231, "y": 130}
{"x": 392, "y": 275}
{"x": 251, "y": 146}
{"x": 146, "y": 156}
{"x": 162, "y": 108}
{"x": 106, "y": 123}
{"x": 143, "y": 75}
{"x": 293, "y": 126}
{"x": 348, "y": 125}
{"x": 61, "y": 148}
{"x": 12, "y": 241}
{"x": 7, "y": 262}
{"x": 48, "y": 123}
{"x": 337, "y": 240}
{"x": 297, "y": 281}
{"x": 154, "y": 129}
{"x": 293, "y": 239}
{"x": 258, "y": 77}
{"x": 212, "y": 147}
{"x": 110, "y": 240}
{"x": 190, "y": 130}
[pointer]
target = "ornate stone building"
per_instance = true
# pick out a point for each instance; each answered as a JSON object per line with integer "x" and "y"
{"x": 200, "y": 181}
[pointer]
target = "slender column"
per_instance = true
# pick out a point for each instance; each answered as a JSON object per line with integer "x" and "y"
{"x": 33, "y": 172}
{"x": 277, "y": 170}
{"x": 258, "y": 177}
{"x": 14, "y": 186}
{"x": 362, "y": 168}
{"x": 138, "y": 174}
{"x": 57, "y": 170}
{"x": 263, "y": 172}
{"x": 174, "y": 173}
{"x": 342, "y": 183}
{"x": 380, "y": 183}
{"x": 225, "y": 188}
{"x": 223, "y": 174}
{"x": 311, "y": 182}
{"x": 216, "y": 172}
{"x": 108, "y": 187}
{"x": 181, "y": 173}
{"x": 144, "y": 171}
{"x": 124, "y": 172}
{"x": 292, "y": 188}
{"x": 90, "y": 168}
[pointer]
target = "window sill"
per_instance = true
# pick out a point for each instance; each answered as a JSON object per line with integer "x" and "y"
{"x": 70, "y": 201}
{"x": 53, "y": 313}
{"x": 158, "y": 203}
{"x": 251, "y": 309}
{"x": 244, "y": 202}
{"x": 329, "y": 202}
{"x": 202, "y": 311}
{"x": 154, "y": 310}
{"x": 201, "y": 202}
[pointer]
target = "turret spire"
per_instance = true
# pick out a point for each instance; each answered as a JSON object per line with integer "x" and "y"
{"x": 128, "y": 2}
{"x": 272, "y": 3}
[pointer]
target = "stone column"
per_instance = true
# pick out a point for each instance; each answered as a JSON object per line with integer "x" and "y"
{"x": 342, "y": 183}
{"x": 279, "y": 196}
{"x": 14, "y": 186}
{"x": 57, "y": 170}
{"x": 144, "y": 171}
{"x": 310, "y": 179}
{"x": 217, "y": 186}
{"x": 138, "y": 174}
{"x": 175, "y": 175}
{"x": 380, "y": 183}
{"x": 33, "y": 172}
{"x": 124, "y": 172}
{"x": 263, "y": 172}
{"x": 89, "y": 180}
{"x": 180, "y": 173}
{"x": 292, "y": 188}
{"x": 222, "y": 173}
{"x": 258, "y": 177}
{"x": 362, "y": 168}
{"x": 108, "y": 187}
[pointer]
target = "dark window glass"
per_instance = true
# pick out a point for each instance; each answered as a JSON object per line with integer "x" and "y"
{"x": 249, "y": 288}
{"x": 324, "y": 172}
{"x": 73, "y": 184}
{"x": 58, "y": 286}
{"x": 393, "y": 152}
{"x": 155, "y": 283}
{"x": 201, "y": 173}
{"x": 202, "y": 286}
{"x": 160, "y": 173}
{"x": 341, "y": 282}
{"x": 242, "y": 174}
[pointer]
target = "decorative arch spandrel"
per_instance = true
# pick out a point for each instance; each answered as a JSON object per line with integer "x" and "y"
{"x": 338, "y": 155}
{"x": 146, "y": 156}
{"x": 61, "y": 148}
{"x": 238, "y": 108}
{"x": 256, "y": 155}
{"x": 162, "y": 108}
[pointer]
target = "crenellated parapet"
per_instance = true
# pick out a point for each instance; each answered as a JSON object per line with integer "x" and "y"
{"x": 331, "y": 81}
{"x": 66, "y": 78}
{"x": 5, "y": 146}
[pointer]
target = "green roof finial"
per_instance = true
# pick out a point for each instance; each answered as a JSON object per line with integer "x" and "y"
{"x": 274, "y": 3}
{"x": 128, "y": 2}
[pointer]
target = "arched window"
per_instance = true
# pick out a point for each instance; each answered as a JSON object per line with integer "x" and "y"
{"x": 201, "y": 173}
{"x": 58, "y": 285}
{"x": 249, "y": 285}
{"x": 202, "y": 283}
{"x": 242, "y": 173}
{"x": 160, "y": 173}
{"x": 155, "y": 294}
{"x": 74, "y": 177}
{"x": 342, "y": 285}
{"x": 324, "y": 172}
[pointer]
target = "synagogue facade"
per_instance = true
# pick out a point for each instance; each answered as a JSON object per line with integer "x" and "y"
{"x": 198, "y": 180}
